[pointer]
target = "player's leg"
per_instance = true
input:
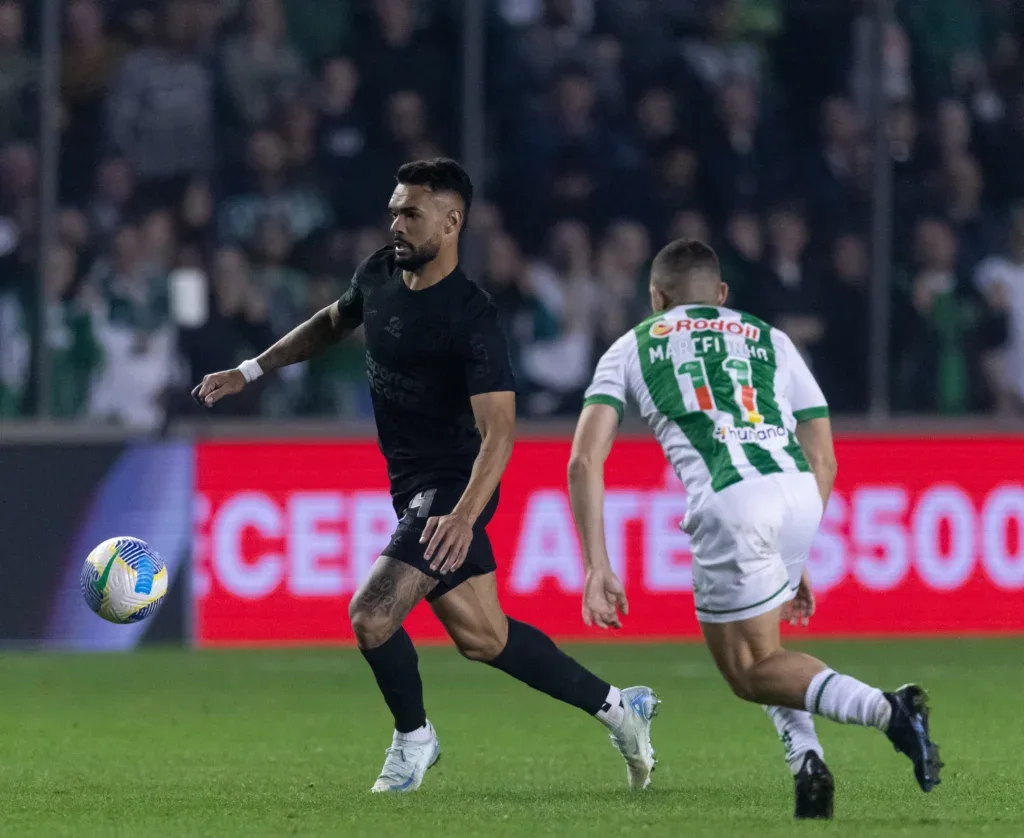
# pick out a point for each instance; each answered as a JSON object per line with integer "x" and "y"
{"x": 813, "y": 784}
{"x": 750, "y": 656}
{"x": 740, "y": 586}
{"x": 377, "y": 612}
{"x": 473, "y": 617}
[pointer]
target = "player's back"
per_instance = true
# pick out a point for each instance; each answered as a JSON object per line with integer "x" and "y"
{"x": 717, "y": 386}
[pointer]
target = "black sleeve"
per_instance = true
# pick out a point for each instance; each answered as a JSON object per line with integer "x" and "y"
{"x": 485, "y": 351}
{"x": 350, "y": 303}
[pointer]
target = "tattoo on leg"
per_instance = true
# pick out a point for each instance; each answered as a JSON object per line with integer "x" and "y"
{"x": 394, "y": 589}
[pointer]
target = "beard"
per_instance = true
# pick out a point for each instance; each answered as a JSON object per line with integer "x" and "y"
{"x": 415, "y": 258}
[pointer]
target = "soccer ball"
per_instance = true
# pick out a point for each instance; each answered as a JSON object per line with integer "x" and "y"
{"x": 124, "y": 580}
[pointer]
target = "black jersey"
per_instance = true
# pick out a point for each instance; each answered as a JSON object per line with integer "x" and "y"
{"x": 427, "y": 352}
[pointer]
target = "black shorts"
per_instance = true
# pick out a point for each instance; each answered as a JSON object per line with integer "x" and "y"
{"x": 413, "y": 511}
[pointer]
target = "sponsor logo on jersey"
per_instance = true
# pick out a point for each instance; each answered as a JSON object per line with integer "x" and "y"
{"x": 664, "y": 328}
{"x": 767, "y": 436}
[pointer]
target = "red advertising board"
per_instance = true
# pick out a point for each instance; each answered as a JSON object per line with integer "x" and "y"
{"x": 921, "y": 536}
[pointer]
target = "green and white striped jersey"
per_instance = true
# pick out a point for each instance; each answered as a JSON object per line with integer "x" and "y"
{"x": 722, "y": 391}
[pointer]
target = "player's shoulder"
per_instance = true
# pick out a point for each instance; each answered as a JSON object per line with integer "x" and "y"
{"x": 376, "y": 268}
{"x": 468, "y": 299}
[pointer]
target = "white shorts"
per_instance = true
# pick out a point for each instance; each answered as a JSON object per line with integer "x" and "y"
{"x": 750, "y": 543}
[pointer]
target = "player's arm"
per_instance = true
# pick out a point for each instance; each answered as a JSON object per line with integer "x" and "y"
{"x": 491, "y": 387}
{"x": 815, "y": 438}
{"x": 603, "y": 595}
{"x": 814, "y": 427}
{"x": 307, "y": 340}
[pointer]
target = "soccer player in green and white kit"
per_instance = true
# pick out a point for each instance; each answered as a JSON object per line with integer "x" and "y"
{"x": 745, "y": 427}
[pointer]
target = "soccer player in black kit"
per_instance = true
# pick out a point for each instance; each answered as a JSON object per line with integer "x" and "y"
{"x": 444, "y": 402}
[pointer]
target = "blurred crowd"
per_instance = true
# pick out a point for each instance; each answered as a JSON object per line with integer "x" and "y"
{"x": 226, "y": 163}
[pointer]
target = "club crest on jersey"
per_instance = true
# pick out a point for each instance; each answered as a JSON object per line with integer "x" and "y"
{"x": 664, "y": 328}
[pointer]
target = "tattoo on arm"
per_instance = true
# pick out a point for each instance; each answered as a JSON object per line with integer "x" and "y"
{"x": 305, "y": 341}
{"x": 394, "y": 589}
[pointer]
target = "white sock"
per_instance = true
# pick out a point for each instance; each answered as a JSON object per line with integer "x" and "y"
{"x": 846, "y": 700}
{"x": 796, "y": 730}
{"x": 610, "y": 715}
{"x": 420, "y": 735}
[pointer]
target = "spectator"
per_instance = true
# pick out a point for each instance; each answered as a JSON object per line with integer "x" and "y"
{"x": 160, "y": 111}
{"x": 964, "y": 211}
{"x": 735, "y": 156}
{"x": 574, "y": 193}
{"x": 91, "y": 59}
{"x": 236, "y": 328}
{"x": 285, "y": 289}
{"x": 940, "y": 341}
{"x": 274, "y": 194}
{"x": 115, "y": 187}
{"x": 572, "y": 121}
{"x": 260, "y": 66}
{"x": 793, "y": 295}
{"x": 297, "y": 121}
{"x": 953, "y": 129}
{"x": 134, "y": 333}
{"x": 624, "y": 299}
{"x": 559, "y": 32}
{"x": 507, "y": 279}
{"x": 15, "y": 351}
{"x": 843, "y": 371}
{"x": 71, "y": 342}
{"x": 19, "y": 191}
{"x": 740, "y": 255}
{"x": 195, "y": 215}
{"x": 556, "y": 364}
{"x": 721, "y": 54}
{"x": 657, "y": 120}
{"x": 346, "y": 160}
{"x": 394, "y": 54}
{"x": 20, "y": 75}
{"x": 1000, "y": 278}
{"x": 689, "y": 224}
{"x": 834, "y": 167}
{"x": 405, "y": 124}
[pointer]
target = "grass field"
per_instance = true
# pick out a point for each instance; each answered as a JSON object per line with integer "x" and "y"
{"x": 168, "y": 743}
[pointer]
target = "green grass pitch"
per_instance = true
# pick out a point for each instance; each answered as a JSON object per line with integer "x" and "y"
{"x": 171, "y": 743}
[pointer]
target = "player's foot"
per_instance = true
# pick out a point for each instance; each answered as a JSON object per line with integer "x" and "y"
{"x": 908, "y": 732}
{"x": 406, "y": 763}
{"x": 632, "y": 736}
{"x": 815, "y": 789}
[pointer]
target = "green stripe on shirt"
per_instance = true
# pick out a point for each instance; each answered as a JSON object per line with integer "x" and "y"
{"x": 611, "y": 401}
{"x": 809, "y": 413}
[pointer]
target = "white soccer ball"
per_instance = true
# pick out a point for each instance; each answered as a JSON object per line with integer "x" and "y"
{"x": 124, "y": 580}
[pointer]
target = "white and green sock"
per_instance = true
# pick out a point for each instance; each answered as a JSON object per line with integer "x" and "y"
{"x": 846, "y": 700}
{"x": 796, "y": 730}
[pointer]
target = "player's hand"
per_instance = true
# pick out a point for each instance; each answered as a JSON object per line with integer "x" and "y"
{"x": 800, "y": 609}
{"x": 216, "y": 386}
{"x": 447, "y": 538}
{"x": 604, "y": 599}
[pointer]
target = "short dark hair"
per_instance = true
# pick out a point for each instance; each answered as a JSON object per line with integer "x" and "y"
{"x": 684, "y": 256}
{"x": 439, "y": 174}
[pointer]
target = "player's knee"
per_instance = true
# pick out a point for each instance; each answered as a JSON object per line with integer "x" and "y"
{"x": 371, "y": 630}
{"x": 480, "y": 646}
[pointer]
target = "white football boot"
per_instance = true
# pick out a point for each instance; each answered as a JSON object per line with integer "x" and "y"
{"x": 632, "y": 736}
{"x": 406, "y": 763}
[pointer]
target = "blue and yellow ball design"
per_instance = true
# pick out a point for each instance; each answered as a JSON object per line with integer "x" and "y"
{"x": 124, "y": 580}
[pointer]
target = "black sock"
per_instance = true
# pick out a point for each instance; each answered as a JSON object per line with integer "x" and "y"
{"x": 532, "y": 657}
{"x": 395, "y": 665}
